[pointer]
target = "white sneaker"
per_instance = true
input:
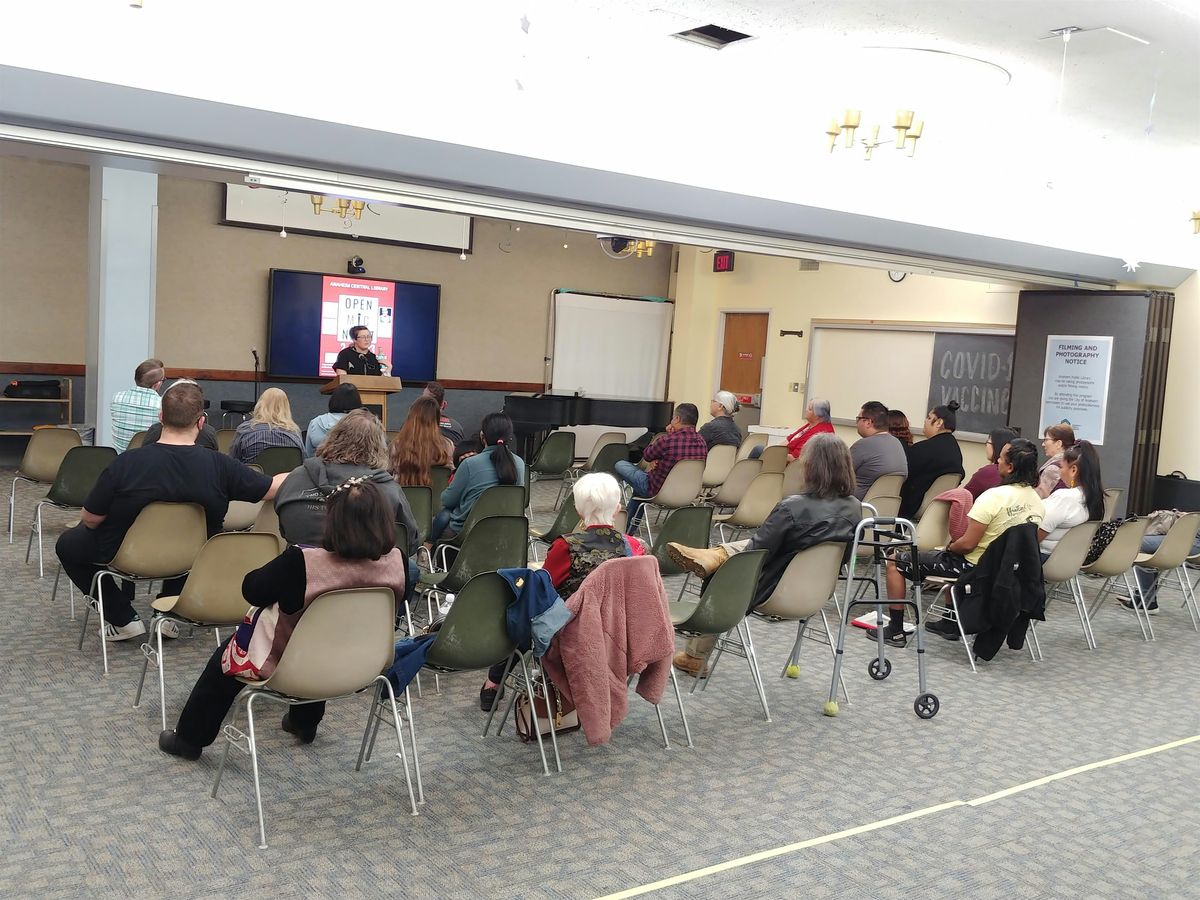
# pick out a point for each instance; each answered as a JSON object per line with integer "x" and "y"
{"x": 169, "y": 628}
{"x": 136, "y": 628}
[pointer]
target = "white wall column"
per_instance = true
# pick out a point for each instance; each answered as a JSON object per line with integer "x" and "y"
{"x": 122, "y": 260}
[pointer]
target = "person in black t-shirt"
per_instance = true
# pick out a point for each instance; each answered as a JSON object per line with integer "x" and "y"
{"x": 173, "y": 470}
{"x": 357, "y": 359}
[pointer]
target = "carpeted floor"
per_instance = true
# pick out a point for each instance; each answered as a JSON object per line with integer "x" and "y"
{"x": 91, "y": 807}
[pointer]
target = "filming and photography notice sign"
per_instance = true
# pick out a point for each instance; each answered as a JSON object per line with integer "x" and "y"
{"x": 1075, "y": 384}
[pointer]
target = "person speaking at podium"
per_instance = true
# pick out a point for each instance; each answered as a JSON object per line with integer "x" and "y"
{"x": 357, "y": 359}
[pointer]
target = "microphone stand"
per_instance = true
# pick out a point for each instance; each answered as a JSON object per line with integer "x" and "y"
{"x": 255, "y": 352}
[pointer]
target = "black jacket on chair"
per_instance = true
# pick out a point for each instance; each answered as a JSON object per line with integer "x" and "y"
{"x": 1008, "y": 579}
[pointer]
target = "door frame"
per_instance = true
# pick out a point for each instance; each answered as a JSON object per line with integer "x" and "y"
{"x": 719, "y": 348}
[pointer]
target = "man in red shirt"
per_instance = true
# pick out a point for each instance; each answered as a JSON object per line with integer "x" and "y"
{"x": 681, "y": 441}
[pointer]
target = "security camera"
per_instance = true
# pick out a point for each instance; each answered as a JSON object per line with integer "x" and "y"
{"x": 354, "y": 266}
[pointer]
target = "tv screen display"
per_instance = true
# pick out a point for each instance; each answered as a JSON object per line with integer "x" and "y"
{"x": 311, "y": 314}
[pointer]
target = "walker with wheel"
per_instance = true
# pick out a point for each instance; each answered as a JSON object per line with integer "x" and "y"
{"x": 900, "y": 536}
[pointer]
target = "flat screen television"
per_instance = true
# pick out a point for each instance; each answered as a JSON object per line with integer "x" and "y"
{"x": 311, "y": 314}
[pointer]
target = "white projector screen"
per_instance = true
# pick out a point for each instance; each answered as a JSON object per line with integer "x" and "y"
{"x": 611, "y": 346}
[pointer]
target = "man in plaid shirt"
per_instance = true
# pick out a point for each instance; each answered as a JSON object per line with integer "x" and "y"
{"x": 137, "y": 408}
{"x": 681, "y": 441}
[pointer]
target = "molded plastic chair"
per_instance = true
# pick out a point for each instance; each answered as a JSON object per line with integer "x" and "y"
{"x": 681, "y": 488}
{"x": 808, "y": 582}
{"x": 760, "y": 498}
{"x": 941, "y": 484}
{"x": 1171, "y": 556}
{"x": 736, "y": 483}
{"x": 498, "y": 500}
{"x": 1112, "y": 497}
{"x": 420, "y": 501}
{"x": 1062, "y": 567}
{"x": 793, "y": 479}
{"x": 608, "y": 456}
{"x": 495, "y": 542}
{"x": 211, "y": 597}
{"x": 721, "y": 611}
{"x": 439, "y": 480}
{"x": 935, "y": 532}
{"x": 279, "y": 460}
{"x": 225, "y": 438}
{"x": 718, "y": 464}
{"x": 43, "y": 455}
{"x": 749, "y": 442}
{"x": 138, "y": 440}
{"x": 77, "y": 474}
{"x": 689, "y": 526}
{"x": 161, "y": 543}
{"x": 554, "y": 460}
{"x": 774, "y": 459}
{"x": 340, "y": 647}
{"x": 608, "y": 437}
{"x": 1117, "y": 561}
{"x": 267, "y": 520}
{"x": 884, "y": 496}
{"x": 565, "y": 522}
{"x": 241, "y": 515}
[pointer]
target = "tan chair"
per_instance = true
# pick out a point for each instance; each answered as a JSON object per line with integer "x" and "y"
{"x": 267, "y": 520}
{"x": 774, "y": 459}
{"x": 736, "y": 483}
{"x": 1117, "y": 561}
{"x": 884, "y": 496}
{"x": 940, "y": 485}
{"x": 749, "y": 443}
{"x": 211, "y": 597}
{"x": 136, "y": 441}
{"x": 1062, "y": 567}
{"x": 225, "y": 439}
{"x": 340, "y": 647}
{"x": 1112, "y": 497}
{"x": 39, "y": 465}
{"x": 760, "y": 498}
{"x": 161, "y": 543}
{"x": 1172, "y": 556}
{"x": 604, "y": 440}
{"x": 681, "y": 488}
{"x": 240, "y": 515}
{"x": 933, "y": 530}
{"x": 808, "y": 582}
{"x": 793, "y": 479}
{"x": 718, "y": 464}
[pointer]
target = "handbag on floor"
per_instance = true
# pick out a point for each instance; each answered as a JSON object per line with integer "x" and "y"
{"x": 565, "y": 721}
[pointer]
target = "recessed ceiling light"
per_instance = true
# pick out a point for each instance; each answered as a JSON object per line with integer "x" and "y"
{"x": 712, "y": 36}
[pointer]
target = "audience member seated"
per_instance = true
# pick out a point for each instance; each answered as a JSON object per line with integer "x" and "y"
{"x": 721, "y": 429}
{"x": 1014, "y": 502}
{"x": 987, "y": 476}
{"x": 419, "y": 445}
{"x": 495, "y": 464}
{"x": 356, "y": 551}
{"x": 1148, "y": 578}
{"x": 342, "y": 400}
{"x": 938, "y": 454}
{"x": 1082, "y": 500}
{"x": 680, "y": 441}
{"x": 450, "y": 428}
{"x": 826, "y": 511}
{"x": 465, "y": 449}
{"x": 816, "y": 418}
{"x": 899, "y": 428}
{"x": 173, "y": 470}
{"x": 876, "y": 452}
{"x": 136, "y": 409}
{"x": 206, "y": 437}
{"x": 270, "y": 425}
{"x": 1055, "y": 441}
{"x": 572, "y": 557}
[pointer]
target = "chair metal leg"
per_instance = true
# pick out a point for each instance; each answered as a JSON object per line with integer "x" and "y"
{"x": 12, "y": 503}
{"x": 537, "y": 728}
{"x": 391, "y": 694}
{"x": 149, "y": 652}
{"x": 682, "y": 715}
{"x": 794, "y": 656}
{"x": 262, "y": 824}
{"x": 496, "y": 700}
{"x": 412, "y": 739}
{"x": 833, "y": 653}
{"x": 372, "y": 715}
{"x": 962, "y": 634}
{"x": 550, "y": 720}
{"x": 1139, "y": 606}
{"x": 752, "y": 659}
{"x": 1189, "y": 596}
{"x": 1034, "y": 642}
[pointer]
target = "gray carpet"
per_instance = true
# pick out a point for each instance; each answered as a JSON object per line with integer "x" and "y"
{"x": 91, "y": 807}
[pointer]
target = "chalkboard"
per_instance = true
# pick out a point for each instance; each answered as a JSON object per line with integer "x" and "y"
{"x": 975, "y": 370}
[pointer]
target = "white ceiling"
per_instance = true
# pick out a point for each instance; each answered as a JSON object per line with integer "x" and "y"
{"x": 1113, "y": 167}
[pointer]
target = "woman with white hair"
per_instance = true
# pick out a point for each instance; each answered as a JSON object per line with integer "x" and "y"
{"x": 722, "y": 429}
{"x": 572, "y": 557}
{"x": 816, "y": 418}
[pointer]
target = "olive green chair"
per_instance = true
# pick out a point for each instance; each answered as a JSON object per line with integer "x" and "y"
{"x": 43, "y": 455}
{"x": 77, "y": 474}
{"x": 279, "y": 460}
{"x": 565, "y": 522}
{"x": 495, "y": 542}
{"x": 554, "y": 460}
{"x": 498, "y": 500}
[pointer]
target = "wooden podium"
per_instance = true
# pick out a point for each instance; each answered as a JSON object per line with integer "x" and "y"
{"x": 373, "y": 389}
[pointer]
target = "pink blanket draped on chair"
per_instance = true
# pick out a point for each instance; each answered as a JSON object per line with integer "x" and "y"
{"x": 619, "y": 627}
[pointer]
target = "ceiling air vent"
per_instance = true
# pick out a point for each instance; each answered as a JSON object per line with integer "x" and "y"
{"x": 809, "y": 265}
{"x": 712, "y": 36}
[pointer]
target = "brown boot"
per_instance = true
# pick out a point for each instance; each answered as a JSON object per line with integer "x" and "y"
{"x": 696, "y": 560}
{"x": 690, "y": 665}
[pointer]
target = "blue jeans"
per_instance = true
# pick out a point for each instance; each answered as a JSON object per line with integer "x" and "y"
{"x": 438, "y": 526}
{"x": 1148, "y": 578}
{"x": 639, "y": 480}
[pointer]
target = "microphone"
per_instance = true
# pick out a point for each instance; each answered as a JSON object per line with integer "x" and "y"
{"x": 254, "y": 351}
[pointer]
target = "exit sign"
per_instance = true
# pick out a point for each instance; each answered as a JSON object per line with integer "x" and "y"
{"x": 723, "y": 261}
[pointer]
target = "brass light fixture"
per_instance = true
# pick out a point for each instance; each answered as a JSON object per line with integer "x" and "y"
{"x": 907, "y": 132}
{"x": 343, "y": 208}
{"x": 643, "y": 247}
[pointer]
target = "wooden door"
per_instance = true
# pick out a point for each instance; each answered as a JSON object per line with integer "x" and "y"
{"x": 742, "y": 353}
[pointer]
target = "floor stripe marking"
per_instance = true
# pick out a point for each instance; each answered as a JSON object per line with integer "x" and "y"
{"x": 886, "y": 823}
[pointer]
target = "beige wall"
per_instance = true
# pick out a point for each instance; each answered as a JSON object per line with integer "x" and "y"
{"x": 43, "y": 261}
{"x": 794, "y": 299}
{"x": 1179, "y": 445}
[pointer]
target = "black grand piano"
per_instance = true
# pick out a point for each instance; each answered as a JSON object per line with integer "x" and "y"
{"x": 535, "y": 414}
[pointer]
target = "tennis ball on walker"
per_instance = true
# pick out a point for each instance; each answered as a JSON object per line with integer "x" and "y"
{"x": 830, "y": 708}
{"x": 793, "y": 672}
